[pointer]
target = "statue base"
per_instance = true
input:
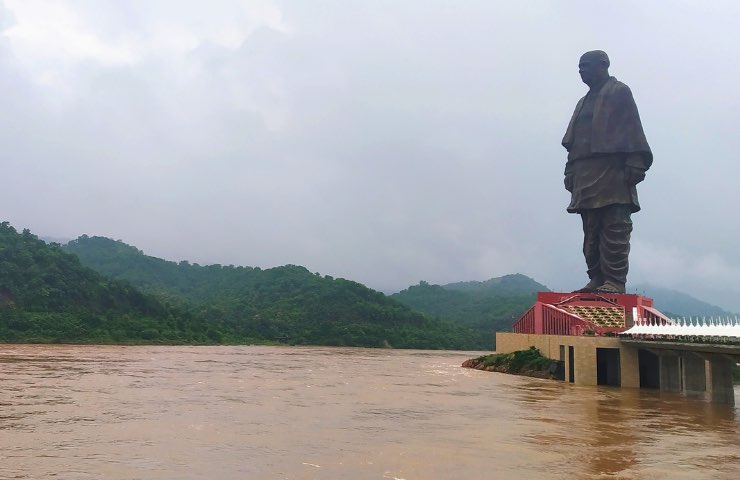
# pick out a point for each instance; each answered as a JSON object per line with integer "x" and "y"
{"x": 577, "y": 313}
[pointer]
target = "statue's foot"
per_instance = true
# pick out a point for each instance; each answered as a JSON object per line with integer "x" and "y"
{"x": 591, "y": 287}
{"x": 610, "y": 287}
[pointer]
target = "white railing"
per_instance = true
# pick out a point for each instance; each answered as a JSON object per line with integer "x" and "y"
{"x": 691, "y": 327}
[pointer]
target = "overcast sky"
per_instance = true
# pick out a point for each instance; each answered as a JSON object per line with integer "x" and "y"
{"x": 382, "y": 141}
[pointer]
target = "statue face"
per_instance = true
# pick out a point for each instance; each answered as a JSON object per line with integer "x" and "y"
{"x": 591, "y": 68}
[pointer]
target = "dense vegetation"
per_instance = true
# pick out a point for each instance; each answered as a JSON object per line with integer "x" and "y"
{"x": 99, "y": 290}
{"x": 529, "y": 362}
{"x": 47, "y": 296}
{"x": 485, "y": 307}
{"x": 285, "y": 304}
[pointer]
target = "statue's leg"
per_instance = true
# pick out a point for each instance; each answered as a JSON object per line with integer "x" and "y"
{"x": 591, "y": 219}
{"x": 614, "y": 246}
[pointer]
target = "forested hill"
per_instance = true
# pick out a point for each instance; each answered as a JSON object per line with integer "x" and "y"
{"x": 46, "y": 295}
{"x": 486, "y": 307}
{"x": 287, "y": 304}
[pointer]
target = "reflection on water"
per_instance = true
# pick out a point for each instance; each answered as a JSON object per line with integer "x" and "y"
{"x": 77, "y": 412}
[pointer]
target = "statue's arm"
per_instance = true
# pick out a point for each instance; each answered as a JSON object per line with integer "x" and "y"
{"x": 635, "y": 168}
{"x": 569, "y": 176}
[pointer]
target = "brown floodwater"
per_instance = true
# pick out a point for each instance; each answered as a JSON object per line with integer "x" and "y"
{"x": 112, "y": 412}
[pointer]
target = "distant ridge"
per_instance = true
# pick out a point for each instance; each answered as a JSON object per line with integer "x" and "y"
{"x": 679, "y": 303}
{"x": 47, "y": 296}
{"x": 59, "y": 240}
{"x": 286, "y": 304}
{"x": 485, "y": 306}
{"x": 514, "y": 284}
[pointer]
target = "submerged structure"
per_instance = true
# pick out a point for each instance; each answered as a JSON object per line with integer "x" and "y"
{"x": 623, "y": 340}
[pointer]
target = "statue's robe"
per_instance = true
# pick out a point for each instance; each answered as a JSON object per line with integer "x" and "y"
{"x": 604, "y": 135}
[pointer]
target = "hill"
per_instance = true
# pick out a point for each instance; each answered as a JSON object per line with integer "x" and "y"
{"x": 46, "y": 295}
{"x": 287, "y": 304}
{"x": 506, "y": 286}
{"x": 485, "y": 307}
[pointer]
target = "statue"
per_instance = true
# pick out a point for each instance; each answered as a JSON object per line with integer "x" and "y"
{"x": 608, "y": 156}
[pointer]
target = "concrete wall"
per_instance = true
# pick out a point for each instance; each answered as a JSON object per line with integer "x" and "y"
{"x": 584, "y": 349}
{"x": 681, "y": 370}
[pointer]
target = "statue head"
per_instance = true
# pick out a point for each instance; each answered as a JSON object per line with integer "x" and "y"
{"x": 594, "y": 67}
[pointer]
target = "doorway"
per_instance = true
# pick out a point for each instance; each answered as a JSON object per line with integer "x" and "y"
{"x": 571, "y": 365}
{"x": 607, "y": 367}
{"x": 649, "y": 367}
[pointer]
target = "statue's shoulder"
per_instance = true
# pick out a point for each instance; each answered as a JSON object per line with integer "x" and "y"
{"x": 616, "y": 88}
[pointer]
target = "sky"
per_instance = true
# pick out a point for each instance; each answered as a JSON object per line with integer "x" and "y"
{"x": 381, "y": 141}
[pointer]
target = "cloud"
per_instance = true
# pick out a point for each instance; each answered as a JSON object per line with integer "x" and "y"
{"x": 705, "y": 274}
{"x": 381, "y": 141}
{"x": 53, "y": 40}
{"x": 44, "y": 32}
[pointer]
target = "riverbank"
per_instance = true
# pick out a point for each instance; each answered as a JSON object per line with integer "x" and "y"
{"x": 530, "y": 363}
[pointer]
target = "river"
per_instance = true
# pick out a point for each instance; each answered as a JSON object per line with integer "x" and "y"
{"x": 253, "y": 412}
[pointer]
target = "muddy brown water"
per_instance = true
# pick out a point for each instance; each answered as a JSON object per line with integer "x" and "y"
{"x": 111, "y": 412}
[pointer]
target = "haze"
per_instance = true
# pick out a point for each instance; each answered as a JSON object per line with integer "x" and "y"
{"x": 385, "y": 142}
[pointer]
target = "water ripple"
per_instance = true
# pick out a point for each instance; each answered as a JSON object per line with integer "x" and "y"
{"x": 79, "y": 412}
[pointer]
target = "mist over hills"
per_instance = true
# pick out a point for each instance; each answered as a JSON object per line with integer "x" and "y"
{"x": 98, "y": 290}
{"x": 679, "y": 303}
{"x": 48, "y": 295}
{"x": 669, "y": 300}
{"x": 513, "y": 284}
{"x": 475, "y": 309}
{"x": 480, "y": 306}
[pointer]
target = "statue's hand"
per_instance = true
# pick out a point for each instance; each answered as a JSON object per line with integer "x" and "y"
{"x": 633, "y": 175}
{"x": 568, "y": 182}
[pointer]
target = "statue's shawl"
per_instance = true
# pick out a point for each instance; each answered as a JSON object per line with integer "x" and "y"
{"x": 616, "y": 126}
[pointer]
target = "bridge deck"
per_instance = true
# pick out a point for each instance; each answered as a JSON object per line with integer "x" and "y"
{"x": 726, "y": 349}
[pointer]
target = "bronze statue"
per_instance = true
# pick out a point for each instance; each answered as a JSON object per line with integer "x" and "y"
{"x": 608, "y": 156}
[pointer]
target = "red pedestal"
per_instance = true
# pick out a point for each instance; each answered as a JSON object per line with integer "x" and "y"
{"x": 557, "y": 313}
